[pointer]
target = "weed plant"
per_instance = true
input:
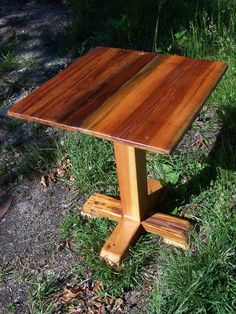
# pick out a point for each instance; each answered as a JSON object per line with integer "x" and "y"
{"x": 8, "y": 61}
{"x": 39, "y": 304}
{"x": 129, "y": 23}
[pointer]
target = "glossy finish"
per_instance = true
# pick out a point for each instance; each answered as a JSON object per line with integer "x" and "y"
{"x": 132, "y": 178}
{"x": 142, "y": 99}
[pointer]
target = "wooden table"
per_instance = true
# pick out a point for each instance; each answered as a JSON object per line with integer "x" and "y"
{"x": 140, "y": 101}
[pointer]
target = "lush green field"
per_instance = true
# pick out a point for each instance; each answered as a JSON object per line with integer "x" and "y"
{"x": 201, "y": 178}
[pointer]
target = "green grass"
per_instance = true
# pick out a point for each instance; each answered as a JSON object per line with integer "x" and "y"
{"x": 200, "y": 182}
{"x": 41, "y": 289}
{"x": 203, "y": 280}
{"x": 115, "y": 281}
{"x": 93, "y": 165}
{"x": 25, "y": 159}
{"x": 8, "y": 62}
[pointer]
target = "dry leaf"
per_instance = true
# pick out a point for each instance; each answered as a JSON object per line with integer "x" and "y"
{"x": 60, "y": 172}
{"x": 70, "y": 293}
{"x": 72, "y": 179}
{"x": 65, "y": 165}
{"x": 118, "y": 303}
{"x": 43, "y": 182}
{"x": 200, "y": 143}
{"x": 74, "y": 310}
{"x": 97, "y": 285}
{"x": 5, "y": 206}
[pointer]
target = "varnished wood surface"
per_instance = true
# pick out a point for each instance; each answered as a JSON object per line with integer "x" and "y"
{"x": 174, "y": 230}
{"x": 132, "y": 178}
{"x": 146, "y": 100}
{"x": 120, "y": 240}
{"x": 99, "y": 205}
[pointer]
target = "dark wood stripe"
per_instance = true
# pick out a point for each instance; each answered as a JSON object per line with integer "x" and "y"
{"x": 79, "y": 86}
{"x": 78, "y": 81}
{"x": 160, "y": 105}
{"x": 43, "y": 92}
{"x": 104, "y": 91}
{"x": 105, "y": 118}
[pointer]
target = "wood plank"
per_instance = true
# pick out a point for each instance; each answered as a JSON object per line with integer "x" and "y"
{"x": 118, "y": 243}
{"x": 162, "y": 102}
{"x": 171, "y": 235}
{"x": 132, "y": 178}
{"x": 142, "y": 99}
{"x": 173, "y": 229}
{"x": 99, "y": 205}
{"x": 168, "y": 221}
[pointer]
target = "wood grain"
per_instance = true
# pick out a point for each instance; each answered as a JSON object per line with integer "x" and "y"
{"x": 132, "y": 178}
{"x": 120, "y": 240}
{"x": 146, "y": 100}
{"x": 174, "y": 230}
{"x": 99, "y": 205}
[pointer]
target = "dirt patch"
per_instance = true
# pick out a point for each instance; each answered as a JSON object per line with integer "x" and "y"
{"x": 33, "y": 32}
{"x": 30, "y": 241}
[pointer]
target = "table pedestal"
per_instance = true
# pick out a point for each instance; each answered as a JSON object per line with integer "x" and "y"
{"x": 134, "y": 212}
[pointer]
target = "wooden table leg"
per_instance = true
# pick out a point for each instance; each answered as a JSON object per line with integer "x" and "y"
{"x": 132, "y": 178}
{"x": 134, "y": 211}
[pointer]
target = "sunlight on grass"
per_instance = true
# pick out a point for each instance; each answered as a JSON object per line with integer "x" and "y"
{"x": 93, "y": 165}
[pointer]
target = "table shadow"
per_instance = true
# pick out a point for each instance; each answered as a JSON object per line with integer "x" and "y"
{"x": 222, "y": 155}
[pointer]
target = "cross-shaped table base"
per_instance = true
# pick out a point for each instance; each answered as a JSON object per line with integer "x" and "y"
{"x": 135, "y": 211}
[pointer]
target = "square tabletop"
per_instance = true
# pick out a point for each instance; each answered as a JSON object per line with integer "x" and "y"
{"x": 143, "y": 99}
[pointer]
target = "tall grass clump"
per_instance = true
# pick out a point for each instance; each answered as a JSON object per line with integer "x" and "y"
{"x": 129, "y": 23}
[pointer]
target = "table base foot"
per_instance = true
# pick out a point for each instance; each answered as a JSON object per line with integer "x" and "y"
{"x": 120, "y": 240}
{"x": 99, "y": 205}
{"x": 172, "y": 229}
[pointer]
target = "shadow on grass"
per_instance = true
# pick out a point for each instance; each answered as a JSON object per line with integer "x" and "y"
{"x": 221, "y": 156}
{"x": 27, "y": 151}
